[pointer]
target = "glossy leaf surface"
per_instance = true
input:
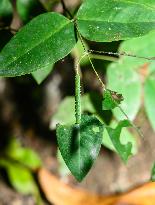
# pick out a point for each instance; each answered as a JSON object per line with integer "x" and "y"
{"x": 124, "y": 150}
{"x": 80, "y": 144}
{"x": 113, "y": 20}
{"x": 43, "y": 41}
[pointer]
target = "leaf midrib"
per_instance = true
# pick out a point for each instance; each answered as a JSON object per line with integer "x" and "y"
{"x": 139, "y": 4}
{"x": 114, "y": 22}
{"x": 40, "y": 42}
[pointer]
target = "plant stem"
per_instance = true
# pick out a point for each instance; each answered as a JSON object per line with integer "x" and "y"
{"x": 120, "y": 54}
{"x": 65, "y": 9}
{"x": 77, "y": 79}
{"x": 8, "y": 28}
{"x": 103, "y": 57}
{"x": 133, "y": 125}
{"x": 77, "y": 99}
{"x": 87, "y": 53}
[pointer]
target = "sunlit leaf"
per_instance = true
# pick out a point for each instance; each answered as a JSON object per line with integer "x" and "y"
{"x": 125, "y": 137}
{"x": 20, "y": 177}
{"x": 23, "y": 155}
{"x": 124, "y": 150}
{"x": 142, "y": 47}
{"x": 125, "y": 80}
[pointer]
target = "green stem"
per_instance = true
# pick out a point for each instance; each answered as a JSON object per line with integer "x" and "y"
{"x": 77, "y": 99}
{"x": 87, "y": 52}
{"x": 107, "y": 58}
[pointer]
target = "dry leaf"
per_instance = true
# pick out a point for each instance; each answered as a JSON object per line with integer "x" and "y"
{"x": 59, "y": 193}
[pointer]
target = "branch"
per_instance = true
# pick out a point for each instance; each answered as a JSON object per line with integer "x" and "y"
{"x": 65, "y": 9}
{"x": 120, "y": 54}
{"x": 8, "y": 28}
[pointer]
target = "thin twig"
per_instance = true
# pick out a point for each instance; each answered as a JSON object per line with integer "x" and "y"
{"x": 87, "y": 53}
{"x": 133, "y": 125}
{"x": 77, "y": 64}
{"x": 8, "y": 28}
{"x": 103, "y": 57}
{"x": 65, "y": 9}
{"x": 121, "y": 54}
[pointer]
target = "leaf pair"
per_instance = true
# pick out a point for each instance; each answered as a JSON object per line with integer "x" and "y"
{"x": 50, "y": 36}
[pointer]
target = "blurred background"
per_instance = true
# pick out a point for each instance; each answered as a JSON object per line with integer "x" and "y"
{"x": 32, "y": 170}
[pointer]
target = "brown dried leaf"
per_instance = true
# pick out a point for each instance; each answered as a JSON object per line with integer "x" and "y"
{"x": 59, "y": 193}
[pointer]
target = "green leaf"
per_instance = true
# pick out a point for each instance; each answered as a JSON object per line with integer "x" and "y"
{"x": 113, "y": 20}
{"x": 49, "y": 5}
{"x": 145, "y": 2}
{"x": 25, "y": 156}
{"x": 142, "y": 47}
{"x": 125, "y": 80}
{"x": 124, "y": 150}
{"x": 20, "y": 177}
{"x": 80, "y": 144}
{"x": 5, "y": 8}
{"x": 123, "y": 76}
{"x": 78, "y": 53}
{"x": 153, "y": 173}
{"x": 65, "y": 113}
{"x": 149, "y": 99}
{"x": 152, "y": 68}
{"x": 62, "y": 168}
{"x": 43, "y": 41}
{"x": 41, "y": 74}
{"x": 28, "y": 8}
{"x": 111, "y": 99}
{"x": 125, "y": 137}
